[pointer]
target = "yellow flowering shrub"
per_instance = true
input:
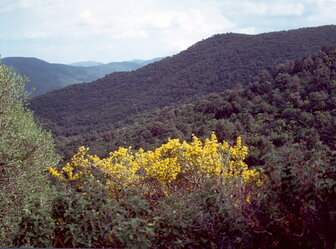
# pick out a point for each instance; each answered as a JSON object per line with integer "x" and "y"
{"x": 174, "y": 166}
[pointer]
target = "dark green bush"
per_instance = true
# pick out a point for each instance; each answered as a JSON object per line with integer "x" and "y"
{"x": 92, "y": 219}
{"x": 298, "y": 207}
{"x": 203, "y": 219}
{"x": 294, "y": 208}
{"x": 85, "y": 219}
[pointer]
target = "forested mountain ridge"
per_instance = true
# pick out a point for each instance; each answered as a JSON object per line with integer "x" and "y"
{"x": 45, "y": 76}
{"x": 210, "y": 66}
{"x": 172, "y": 196}
{"x": 296, "y": 103}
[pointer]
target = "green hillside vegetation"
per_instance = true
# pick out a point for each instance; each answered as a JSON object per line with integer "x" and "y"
{"x": 24, "y": 149}
{"x": 248, "y": 167}
{"x": 273, "y": 188}
{"x": 88, "y": 114}
{"x": 44, "y": 76}
{"x": 294, "y": 104}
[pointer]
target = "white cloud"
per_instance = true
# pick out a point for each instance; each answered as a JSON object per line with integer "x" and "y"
{"x": 9, "y": 5}
{"x": 275, "y": 8}
{"x": 323, "y": 12}
{"x": 132, "y": 33}
{"x": 118, "y": 30}
{"x": 171, "y": 25}
{"x": 34, "y": 35}
{"x": 248, "y": 30}
{"x": 87, "y": 18}
{"x": 265, "y": 7}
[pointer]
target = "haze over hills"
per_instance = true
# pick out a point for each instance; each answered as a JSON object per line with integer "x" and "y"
{"x": 45, "y": 76}
{"x": 86, "y": 64}
{"x": 210, "y": 66}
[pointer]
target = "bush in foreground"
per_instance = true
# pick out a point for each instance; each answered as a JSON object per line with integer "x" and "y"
{"x": 174, "y": 167}
{"x": 293, "y": 207}
{"x": 24, "y": 149}
{"x": 167, "y": 198}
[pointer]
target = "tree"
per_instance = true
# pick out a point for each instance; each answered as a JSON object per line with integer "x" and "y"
{"x": 25, "y": 150}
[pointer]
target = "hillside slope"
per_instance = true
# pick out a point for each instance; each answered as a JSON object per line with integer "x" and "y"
{"x": 45, "y": 76}
{"x": 210, "y": 66}
{"x": 296, "y": 104}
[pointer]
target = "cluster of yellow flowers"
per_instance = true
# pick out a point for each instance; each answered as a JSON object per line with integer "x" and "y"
{"x": 173, "y": 166}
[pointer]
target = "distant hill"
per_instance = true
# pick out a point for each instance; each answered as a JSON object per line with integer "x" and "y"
{"x": 86, "y": 64}
{"x": 124, "y": 66}
{"x": 210, "y": 66}
{"x": 45, "y": 76}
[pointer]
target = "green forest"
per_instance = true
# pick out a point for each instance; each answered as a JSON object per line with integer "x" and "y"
{"x": 88, "y": 114}
{"x": 229, "y": 144}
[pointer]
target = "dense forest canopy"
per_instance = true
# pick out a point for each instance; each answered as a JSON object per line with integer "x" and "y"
{"x": 89, "y": 113}
{"x": 294, "y": 104}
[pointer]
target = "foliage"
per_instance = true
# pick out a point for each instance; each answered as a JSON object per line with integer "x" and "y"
{"x": 133, "y": 199}
{"x": 298, "y": 207}
{"x": 88, "y": 114}
{"x": 292, "y": 105}
{"x": 24, "y": 149}
{"x": 171, "y": 168}
{"x": 91, "y": 218}
{"x": 202, "y": 194}
{"x": 294, "y": 208}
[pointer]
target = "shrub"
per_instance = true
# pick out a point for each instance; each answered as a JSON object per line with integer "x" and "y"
{"x": 293, "y": 207}
{"x": 298, "y": 206}
{"x": 178, "y": 196}
{"x": 200, "y": 219}
{"x": 24, "y": 150}
{"x": 171, "y": 168}
{"x": 73, "y": 219}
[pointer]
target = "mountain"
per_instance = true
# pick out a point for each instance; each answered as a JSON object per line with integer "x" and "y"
{"x": 213, "y": 65}
{"x": 203, "y": 193}
{"x": 129, "y": 65}
{"x": 295, "y": 104}
{"x": 45, "y": 76}
{"x": 86, "y": 64}
{"x": 139, "y": 61}
{"x": 119, "y": 66}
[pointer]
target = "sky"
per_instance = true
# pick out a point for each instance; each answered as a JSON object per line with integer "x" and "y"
{"x": 66, "y": 31}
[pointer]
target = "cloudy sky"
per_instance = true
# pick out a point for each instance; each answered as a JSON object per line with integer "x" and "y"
{"x": 66, "y": 31}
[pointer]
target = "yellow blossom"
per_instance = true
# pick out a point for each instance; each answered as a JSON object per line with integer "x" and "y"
{"x": 170, "y": 167}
